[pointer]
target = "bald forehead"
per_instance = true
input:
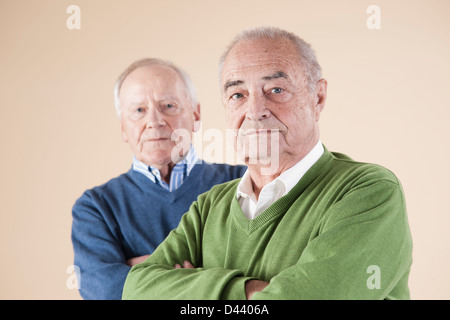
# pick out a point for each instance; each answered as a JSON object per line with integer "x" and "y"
{"x": 153, "y": 71}
{"x": 157, "y": 82}
{"x": 154, "y": 77}
{"x": 280, "y": 43}
{"x": 270, "y": 57}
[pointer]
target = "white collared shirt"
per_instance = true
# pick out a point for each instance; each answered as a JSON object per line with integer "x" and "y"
{"x": 274, "y": 190}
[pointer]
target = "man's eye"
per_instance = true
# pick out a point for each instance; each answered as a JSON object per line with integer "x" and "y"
{"x": 277, "y": 90}
{"x": 140, "y": 109}
{"x": 236, "y": 96}
{"x": 169, "y": 106}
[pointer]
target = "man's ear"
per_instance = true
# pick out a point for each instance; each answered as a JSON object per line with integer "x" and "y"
{"x": 321, "y": 97}
{"x": 197, "y": 117}
{"x": 124, "y": 135}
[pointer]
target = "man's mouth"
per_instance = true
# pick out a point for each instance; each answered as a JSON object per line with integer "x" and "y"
{"x": 251, "y": 132}
{"x": 157, "y": 139}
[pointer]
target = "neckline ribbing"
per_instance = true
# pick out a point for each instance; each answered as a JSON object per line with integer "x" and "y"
{"x": 280, "y": 206}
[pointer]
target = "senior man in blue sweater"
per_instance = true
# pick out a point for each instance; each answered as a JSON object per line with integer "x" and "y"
{"x": 120, "y": 223}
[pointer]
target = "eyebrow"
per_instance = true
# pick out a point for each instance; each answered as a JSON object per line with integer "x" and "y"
{"x": 231, "y": 84}
{"x": 276, "y": 75}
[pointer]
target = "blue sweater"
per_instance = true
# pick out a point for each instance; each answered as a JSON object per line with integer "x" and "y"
{"x": 130, "y": 216}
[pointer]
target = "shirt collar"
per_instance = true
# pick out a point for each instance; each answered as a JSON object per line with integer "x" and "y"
{"x": 187, "y": 163}
{"x": 285, "y": 181}
{"x": 190, "y": 160}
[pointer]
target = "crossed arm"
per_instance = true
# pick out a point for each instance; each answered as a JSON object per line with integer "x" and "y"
{"x": 134, "y": 261}
{"x": 165, "y": 276}
{"x": 251, "y": 286}
{"x": 97, "y": 252}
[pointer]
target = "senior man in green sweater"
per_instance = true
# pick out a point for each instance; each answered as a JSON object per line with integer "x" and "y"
{"x": 303, "y": 222}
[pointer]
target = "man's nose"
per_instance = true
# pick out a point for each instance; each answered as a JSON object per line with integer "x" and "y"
{"x": 256, "y": 107}
{"x": 154, "y": 117}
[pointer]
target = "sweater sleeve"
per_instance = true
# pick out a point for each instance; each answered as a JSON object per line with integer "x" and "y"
{"x": 362, "y": 250}
{"x": 156, "y": 277}
{"x": 98, "y": 253}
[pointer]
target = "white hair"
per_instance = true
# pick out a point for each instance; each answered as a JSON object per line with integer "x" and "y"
{"x": 189, "y": 86}
{"x": 307, "y": 56}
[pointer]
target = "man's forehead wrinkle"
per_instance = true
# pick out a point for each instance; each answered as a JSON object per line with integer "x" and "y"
{"x": 246, "y": 62}
{"x": 269, "y": 74}
{"x": 143, "y": 92}
{"x": 257, "y": 59}
{"x": 272, "y": 64}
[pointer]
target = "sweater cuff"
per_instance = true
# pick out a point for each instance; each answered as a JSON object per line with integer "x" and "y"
{"x": 235, "y": 289}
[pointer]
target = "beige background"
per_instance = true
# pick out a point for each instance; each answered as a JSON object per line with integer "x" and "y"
{"x": 387, "y": 103}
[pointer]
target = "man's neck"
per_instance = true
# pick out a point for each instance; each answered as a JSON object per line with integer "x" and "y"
{"x": 263, "y": 174}
{"x": 165, "y": 171}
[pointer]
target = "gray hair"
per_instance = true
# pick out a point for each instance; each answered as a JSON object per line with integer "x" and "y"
{"x": 307, "y": 56}
{"x": 190, "y": 89}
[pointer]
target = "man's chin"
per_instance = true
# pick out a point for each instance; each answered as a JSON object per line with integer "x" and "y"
{"x": 156, "y": 158}
{"x": 267, "y": 165}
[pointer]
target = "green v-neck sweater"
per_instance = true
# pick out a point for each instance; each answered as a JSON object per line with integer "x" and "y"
{"x": 340, "y": 233}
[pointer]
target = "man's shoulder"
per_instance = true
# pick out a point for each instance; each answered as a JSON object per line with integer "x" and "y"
{"x": 344, "y": 165}
{"x": 112, "y": 186}
{"x": 234, "y": 171}
{"x": 221, "y": 191}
